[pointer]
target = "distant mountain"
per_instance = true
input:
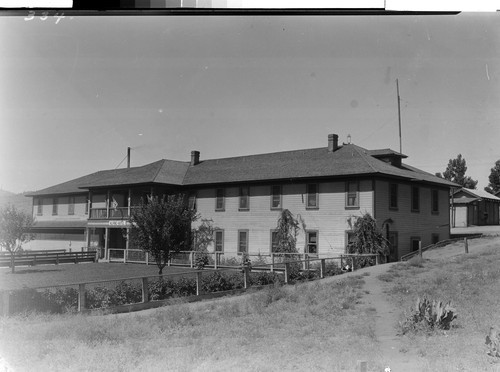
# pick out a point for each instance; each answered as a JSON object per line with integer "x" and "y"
{"x": 20, "y": 201}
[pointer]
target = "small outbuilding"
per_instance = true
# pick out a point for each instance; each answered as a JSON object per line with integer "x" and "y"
{"x": 474, "y": 208}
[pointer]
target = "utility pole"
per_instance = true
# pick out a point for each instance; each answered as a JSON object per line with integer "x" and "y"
{"x": 399, "y": 118}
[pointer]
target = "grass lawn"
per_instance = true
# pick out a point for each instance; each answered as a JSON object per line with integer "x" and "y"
{"x": 49, "y": 275}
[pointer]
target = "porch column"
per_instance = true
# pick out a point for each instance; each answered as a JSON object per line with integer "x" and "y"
{"x": 129, "y": 201}
{"x": 88, "y": 231}
{"x": 107, "y": 206}
{"x": 106, "y": 243}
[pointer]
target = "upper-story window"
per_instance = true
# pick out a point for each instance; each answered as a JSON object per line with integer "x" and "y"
{"x": 393, "y": 196}
{"x": 71, "y": 205}
{"x": 219, "y": 199}
{"x": 55, "y": 203}
{"x": 244, "y": 198}
{"x": 39, "y": 206}
{"x": 312, "y": 196}
{"x": 415, "y": 199}
{"x": 352, "y": 194}
{"x": 276, "y": 197}
{"x": 435, "y": 201}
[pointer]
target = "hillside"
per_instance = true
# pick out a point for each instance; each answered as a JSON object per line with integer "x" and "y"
{"x": 18, "y": 200}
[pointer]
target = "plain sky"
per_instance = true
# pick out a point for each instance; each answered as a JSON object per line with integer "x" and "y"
{"x": 76, "y": 93}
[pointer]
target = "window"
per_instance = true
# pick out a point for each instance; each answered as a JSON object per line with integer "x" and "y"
{"x": 349, "y": 239}
{"x": 312, "y": 196}
{"x": 274, "y": 241}
{"x": 192, "y": 201}
{"x": 312, "y": 242}
{"x": 71, "y": 205}
{"x": 435, "y": 201}
{"x": 219, "y": 240}
{"x": 352, "y": 194}
{"x": 219, "y": 200}
{"x": 393, "y": 196}
{"x": 39, "y": 206}
{"x": 244, "y": 198}
{"x": 415, "y": 241}
{"x": 393, "y": 246}
{"x": 434, "y": 238}
{"x": 415, "y": 199}
{"x": 54, "y": 206}
{"x": 276, "y": 197}
{"x": 242, "y": 241}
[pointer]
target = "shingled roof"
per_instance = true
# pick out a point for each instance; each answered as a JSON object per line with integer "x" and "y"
{"x": 347, "y": 160}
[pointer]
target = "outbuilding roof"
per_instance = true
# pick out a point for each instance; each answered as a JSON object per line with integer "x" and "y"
{"x": 464, "y": 196}
{"x": 346, "y": 161}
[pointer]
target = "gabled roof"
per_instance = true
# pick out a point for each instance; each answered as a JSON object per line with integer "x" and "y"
{"x": 465, "y": 195}
{"x": 347, "y": 161}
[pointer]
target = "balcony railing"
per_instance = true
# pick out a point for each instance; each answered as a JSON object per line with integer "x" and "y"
{"x": 102, "y": 213}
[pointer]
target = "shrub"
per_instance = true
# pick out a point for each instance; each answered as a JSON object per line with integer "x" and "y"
{"x": 264, "y": 278}
{"x": 201, "y": 260}
{"x": 428, "y": 316}
{"x": 216, "y": 282}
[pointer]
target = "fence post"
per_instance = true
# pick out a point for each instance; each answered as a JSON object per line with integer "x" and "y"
{"x": 81, "y": 297}
{"x": 96, "y": 259}
{"x": 466, "y": 245}
{"x": 352, "y": 263}
{"x": 6, "y": 303}
{"x": 147, "y": 258}
{"x": 198, "y": 283}
{"x": 191, "y": 259}
{"x": 377, "y": 259}
{"x": 76, "y": 257}
{"x": 287, "y": 272}
{"x": 272, "y": 262}
{"x": 420, "y": 249}
{"x": 145, "y": 290}
{"x": 246, "y": 276}
{"x": 216, "y": 256}
{"x": 34, "y": 259}
{"x": 341, "y": 261}
{"x": 124, "y": 256}
{"x": 57, "y": 258}
{"x": 322, "y": 268}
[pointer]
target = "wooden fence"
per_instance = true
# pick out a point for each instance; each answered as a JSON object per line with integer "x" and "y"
{"x": 245, "y": 270}
{"x": 408, "y": 256}
{"x": 48, "y": 258}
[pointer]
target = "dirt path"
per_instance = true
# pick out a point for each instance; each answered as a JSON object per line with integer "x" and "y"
{"x": 386, "y": 318}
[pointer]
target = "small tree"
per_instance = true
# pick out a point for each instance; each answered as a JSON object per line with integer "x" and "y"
{"x": 455, "y": 172}
{"x": 494, "y": 178}
{"x": 368, "y": 238}
{"x": 15, "y": 226}
{"x": 202, "y": 237}
{"x": 162, "y": 226}
{"x": 287, "y": 229}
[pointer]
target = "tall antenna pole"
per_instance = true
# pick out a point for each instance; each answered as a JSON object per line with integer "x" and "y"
{"x": 399, "y": 118}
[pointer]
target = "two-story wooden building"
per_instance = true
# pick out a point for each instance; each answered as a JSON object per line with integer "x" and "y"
{"x": 328, "y": 187}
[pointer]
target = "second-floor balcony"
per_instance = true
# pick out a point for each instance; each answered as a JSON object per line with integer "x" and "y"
{"x": 111, "y": 213}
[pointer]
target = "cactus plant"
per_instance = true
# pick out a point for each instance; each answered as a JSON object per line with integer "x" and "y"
{"x": 429, "y": 315}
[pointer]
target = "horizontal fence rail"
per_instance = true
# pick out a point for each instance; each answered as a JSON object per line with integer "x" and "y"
{"x": 441, "y": 243}
{"x": 136, "y": 293}
{"x": 48, "y": 258}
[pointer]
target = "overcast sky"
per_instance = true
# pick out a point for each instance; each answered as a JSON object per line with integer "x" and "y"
{"x": 76, "y": 93}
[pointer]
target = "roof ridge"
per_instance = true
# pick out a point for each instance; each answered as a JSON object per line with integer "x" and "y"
{"x": 358, "y": 149}
{"x": 159, "y": 168}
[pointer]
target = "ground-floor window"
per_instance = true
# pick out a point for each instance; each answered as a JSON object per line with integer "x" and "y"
{"x": 242, "y": 241}
{"x": 415, "y": 240}
{"x": 219, "y": 240}
{"x": 312, "y": 242}
{"x": 349, "y": 240}
{"x": 393, "y": 246}
{"x": 274, "y": 241}
{"x": 434, "y": 238}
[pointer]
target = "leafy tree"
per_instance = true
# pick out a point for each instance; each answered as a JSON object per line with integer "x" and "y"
{"x": 368, "y": 238}
{"x": 162, "y": 226}
{"x": 201, "y": 238}
{"x": 455, "y": 172}
{"x": 15, "y": 226}
{"x": 286, "y": 232}
{"x": 494, "y": 178}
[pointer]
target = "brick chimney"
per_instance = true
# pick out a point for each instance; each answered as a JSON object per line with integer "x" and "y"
{"x": 195, "y": 157}
{"x": 333, "y": 142}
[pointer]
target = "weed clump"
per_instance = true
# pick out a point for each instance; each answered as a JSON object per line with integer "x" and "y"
{"x": 428, "y": 316}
